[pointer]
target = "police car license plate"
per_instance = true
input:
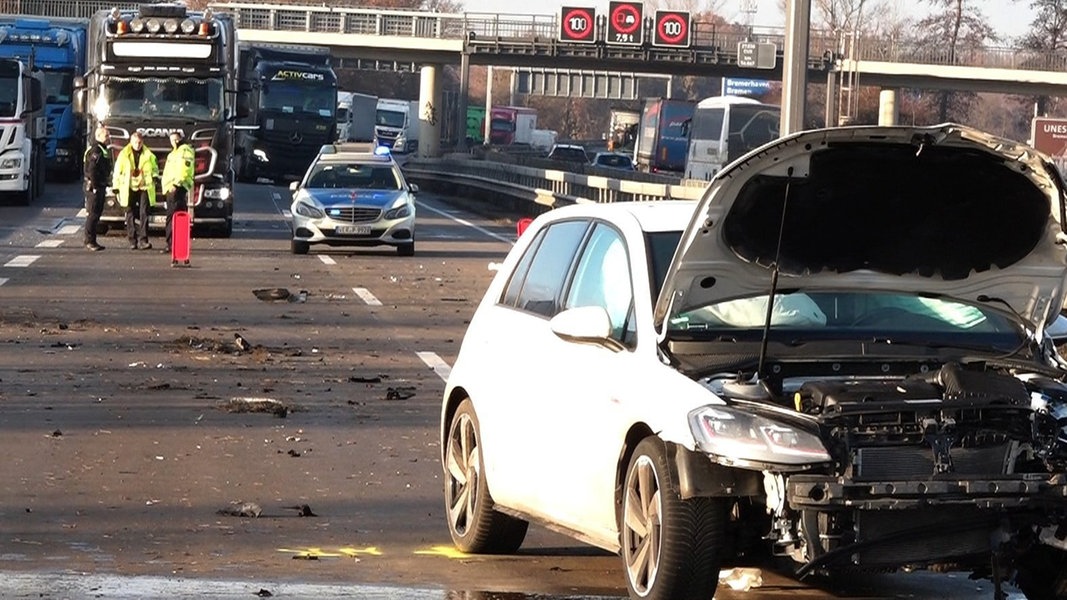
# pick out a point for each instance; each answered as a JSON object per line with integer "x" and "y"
{"x": 353, "y": 230}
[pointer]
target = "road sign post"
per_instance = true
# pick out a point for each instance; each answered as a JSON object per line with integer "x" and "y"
{"x": 577, "y": 24}
{"x": 671, "y": 29}
{"x": 625, "y": 23}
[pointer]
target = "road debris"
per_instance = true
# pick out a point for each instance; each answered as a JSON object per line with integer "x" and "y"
{"x": 272, "y": 294}
{"x": 257, "y": 405}
{"x": 241, "y": 509}
{"x": 402, "y": 392}
{"x": 302, "y": 510}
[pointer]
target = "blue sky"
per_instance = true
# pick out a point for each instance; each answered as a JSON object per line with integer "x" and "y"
{"x": 1010, "y": 18}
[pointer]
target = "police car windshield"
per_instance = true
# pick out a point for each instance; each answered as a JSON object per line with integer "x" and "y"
{"x": 353, "y": 176}
{"x": 298, "y": 97}
{"x": 199, "y": 99}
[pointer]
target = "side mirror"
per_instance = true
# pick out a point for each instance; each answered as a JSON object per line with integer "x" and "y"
{"x": 293, "y": 186}
{"x": 414, "y": 187}
{"x": 79, "y": 95}
{"x": 585, "y": 324}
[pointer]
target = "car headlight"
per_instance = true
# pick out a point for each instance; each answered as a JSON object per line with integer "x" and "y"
{"x": 306, "y": 210}
{"x": 11, "y": 163}
{"x": 745, "y": 437}
{"x": 401, "y": 209}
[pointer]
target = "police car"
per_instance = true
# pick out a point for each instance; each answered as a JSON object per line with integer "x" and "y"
{"x": 354, "y": 195}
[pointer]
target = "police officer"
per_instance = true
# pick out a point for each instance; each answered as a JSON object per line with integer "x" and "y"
{"x": 135, "y": 180}
{"x": 98, "y": 165}
{"x": 178, "y": 173}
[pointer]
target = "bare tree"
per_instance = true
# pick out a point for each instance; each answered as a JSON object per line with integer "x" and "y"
{"x": 954, "y": 28}
{"x": 1047, "y": 35}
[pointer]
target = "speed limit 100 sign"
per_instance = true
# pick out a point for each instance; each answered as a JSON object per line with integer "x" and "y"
{"x": 671, "y": 29}
{"x": 576, "y": 24}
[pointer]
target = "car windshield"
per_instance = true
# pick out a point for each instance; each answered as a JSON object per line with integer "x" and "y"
{"x": 390, "y": 118}
{"x": 854, "y": 315}
{"x": 617, "y": 161}
{"x": 353, "y": 176}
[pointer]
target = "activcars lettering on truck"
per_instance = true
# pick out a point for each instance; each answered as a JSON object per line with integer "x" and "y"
{"x": 282, "y": 75}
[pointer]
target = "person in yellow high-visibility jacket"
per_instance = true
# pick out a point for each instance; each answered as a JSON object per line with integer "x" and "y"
{"x": 135, "y": 176}
{"x": 178, "y": 173}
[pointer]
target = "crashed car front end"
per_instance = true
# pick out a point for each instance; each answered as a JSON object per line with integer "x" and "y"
{"x": 871, "y": 306}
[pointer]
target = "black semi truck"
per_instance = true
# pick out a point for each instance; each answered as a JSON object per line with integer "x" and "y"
{"x": 291, "y": 94}
{"x": 158, "y": 69}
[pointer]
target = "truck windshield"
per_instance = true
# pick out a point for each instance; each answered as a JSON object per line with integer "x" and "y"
{"x": 199, "y": 99}
{"x": 8, "y": 95}
{"x": 295, "y": 98}
{"x": 390, "y": 118}
{"x": 58, "y": 86}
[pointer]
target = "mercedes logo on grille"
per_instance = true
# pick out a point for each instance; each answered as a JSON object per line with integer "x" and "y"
{"x": 295, "y": 137}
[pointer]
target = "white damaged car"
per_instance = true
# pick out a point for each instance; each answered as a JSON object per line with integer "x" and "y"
{"x": 839, "y": 355}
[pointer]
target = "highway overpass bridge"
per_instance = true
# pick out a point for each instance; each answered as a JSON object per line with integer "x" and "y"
{"x": 435, "y": 39}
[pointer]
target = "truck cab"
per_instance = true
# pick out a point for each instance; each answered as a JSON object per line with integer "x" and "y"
{"x": 396, "y": 124}
{"x": 22, "y": 131}
{"x": 57, "y": 46}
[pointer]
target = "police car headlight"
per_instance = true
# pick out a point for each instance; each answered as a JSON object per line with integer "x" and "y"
{"x": 11, "y": 163}
{"x": 401, "y": 209}
{"x": 306, "y": 210}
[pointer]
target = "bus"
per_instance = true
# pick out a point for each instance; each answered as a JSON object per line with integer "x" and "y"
{"x": 724, "y": 128}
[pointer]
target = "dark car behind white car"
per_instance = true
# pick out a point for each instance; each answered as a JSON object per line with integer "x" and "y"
{"x": 838, "y": 356}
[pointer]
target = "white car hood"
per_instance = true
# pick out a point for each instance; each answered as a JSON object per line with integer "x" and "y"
{"x": 946, "y": 210}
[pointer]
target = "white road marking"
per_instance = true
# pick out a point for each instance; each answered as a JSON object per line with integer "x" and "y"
{"x": 53, "y": 243}
{"x": 366, "y": 296}
{"x": 3, "y": 280}
{"x": 327, "y": 260}
{"x": 467, "y": 224}
{"x": 23, "y": 260}
{"x": 287, "y": 214}
{"x": 69, "y": 229}
{"x": 82, "y": 213}
{"x": 434, "y": 362}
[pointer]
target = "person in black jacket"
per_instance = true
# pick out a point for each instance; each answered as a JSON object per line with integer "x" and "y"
{"x": 98, "y": 167}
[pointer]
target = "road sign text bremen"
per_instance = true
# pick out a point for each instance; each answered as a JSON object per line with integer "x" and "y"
{"x": 625, "y": 23}
{"x": 671, "y": 29}
{"x": 576, "y": 24}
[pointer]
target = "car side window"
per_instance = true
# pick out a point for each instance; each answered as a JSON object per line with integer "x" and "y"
{"x": 603, "y": 279}
{"x": 537, "y": 282}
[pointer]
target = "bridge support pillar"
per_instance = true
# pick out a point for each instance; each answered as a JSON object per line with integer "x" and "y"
{"x": 461, "y": 103}
{"x": 888, "y": 113}
{"x": 430, "y": 116}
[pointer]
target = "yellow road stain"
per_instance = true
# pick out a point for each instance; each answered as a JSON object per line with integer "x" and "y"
{"x": 445, "y": 551}
{"x": 370, "y": 550}
{"x": 316, "y": 553}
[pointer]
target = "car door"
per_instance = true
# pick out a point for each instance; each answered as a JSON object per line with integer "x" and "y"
{"x": 518, "y": 365}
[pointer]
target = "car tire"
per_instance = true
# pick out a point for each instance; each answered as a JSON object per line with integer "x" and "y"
{"x": 406, "y": 249}
{"x": 300, "y": 247}
{"x": 473, "y": 523}
{"x": 671, "y": 548}
{"x": 1041, "y": 574}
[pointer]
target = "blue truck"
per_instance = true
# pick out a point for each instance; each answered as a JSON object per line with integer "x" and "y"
{"x": 662, "y": 140}
{"x": 57, "y": 46}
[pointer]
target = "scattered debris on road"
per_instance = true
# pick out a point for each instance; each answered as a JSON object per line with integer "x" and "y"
{"x": 241, "y": 509}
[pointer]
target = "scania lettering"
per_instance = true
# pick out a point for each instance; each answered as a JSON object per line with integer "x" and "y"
{"x": 291, "y": 94}
{"x": 160, "y": 69}
{"x": 57, "y": 46}
{"x": 22, "y": 131}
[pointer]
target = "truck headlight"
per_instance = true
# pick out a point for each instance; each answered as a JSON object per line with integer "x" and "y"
{"x": 11, "y": 163}
{"x": 306, "y": 210}
{"x": 260, "y": 154}
{"x": 222, "y": 193}
{"x": 62, "y": 152}
{"x": 745, "y": 437}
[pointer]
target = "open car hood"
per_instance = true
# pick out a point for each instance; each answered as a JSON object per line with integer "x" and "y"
{"x": 947, "y": 211}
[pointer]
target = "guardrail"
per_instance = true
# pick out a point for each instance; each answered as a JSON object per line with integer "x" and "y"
{"x": 536, "y": 189}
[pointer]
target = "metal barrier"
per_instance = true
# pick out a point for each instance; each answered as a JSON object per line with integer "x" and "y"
{"x": 544, "y": 187}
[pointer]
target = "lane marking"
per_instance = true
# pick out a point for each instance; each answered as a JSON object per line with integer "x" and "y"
{"x": 327, "y": 259}
{"x": 3, "y": 280}
{"x": 445, "y": 551}
{"x": 287, "y": 214}
{"x": 434, "y": 362}
{"x": 69, "y": 229}
{"x": 49, "y": 244}
{"x": 366, "y": 296}
{"x": 82, "y": 213}
{"x": 467, "y": 224}
{"x": 24, "y": 260}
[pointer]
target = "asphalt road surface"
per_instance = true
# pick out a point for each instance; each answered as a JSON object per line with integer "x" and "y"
{"x": 142, "y": 405}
